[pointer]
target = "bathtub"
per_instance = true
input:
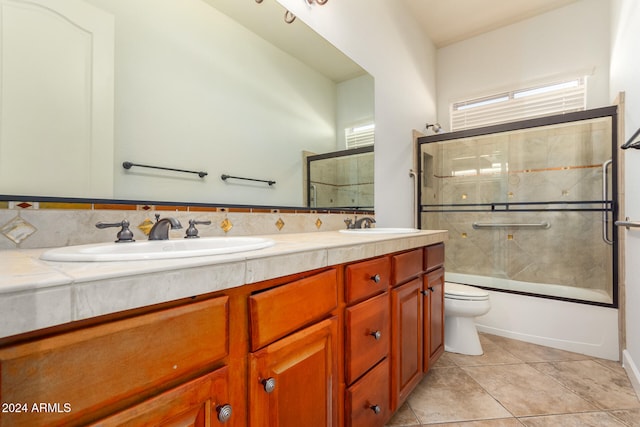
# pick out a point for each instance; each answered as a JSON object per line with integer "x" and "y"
{"x": 581, "y": 328}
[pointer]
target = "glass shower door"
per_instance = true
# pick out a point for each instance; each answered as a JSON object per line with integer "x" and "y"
{"x": 529, "y": 208}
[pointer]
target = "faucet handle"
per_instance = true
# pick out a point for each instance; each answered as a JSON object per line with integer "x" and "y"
{"x": 192, "y": 231}
{"x": 125, "y": 235}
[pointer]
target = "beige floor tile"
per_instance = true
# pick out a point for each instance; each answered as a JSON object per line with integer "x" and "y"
{"x": 494, "y": 354}
{"x": 588, "y": 419}
{"x": 524, "y": 391}
{"x": 449, "y": 394}
{"x": 404, "y": 417}
{"x": 630, "y": 418}
{"x": 528, "y": 352}
{"x": 446, "y": 360}
{"x": 605, "y": 388}
{"x": 501, "y": 422}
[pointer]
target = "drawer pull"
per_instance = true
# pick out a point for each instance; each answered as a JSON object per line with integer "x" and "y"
{"x": 376, "y": 335}
{"x": 224, "y": 413}
{"x": 269, "y": 385}
{"x": 375, "y": 408}
{"x": 376, "y": 278}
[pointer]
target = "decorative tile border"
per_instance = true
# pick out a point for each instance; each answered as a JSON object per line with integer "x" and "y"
{"x": 52, "y": 223}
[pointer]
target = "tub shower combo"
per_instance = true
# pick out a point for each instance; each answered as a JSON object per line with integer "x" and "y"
{"x": 529, "y": 206}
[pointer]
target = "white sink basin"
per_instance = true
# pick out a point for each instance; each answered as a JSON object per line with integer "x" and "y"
{"x": 380, "y": 230}
{"x": 156, "y": 249}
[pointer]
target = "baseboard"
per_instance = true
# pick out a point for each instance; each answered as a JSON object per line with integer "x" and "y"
{"x": 632, "y": 371}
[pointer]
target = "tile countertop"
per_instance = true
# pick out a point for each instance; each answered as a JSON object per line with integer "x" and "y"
{"x": 36, "y": 294}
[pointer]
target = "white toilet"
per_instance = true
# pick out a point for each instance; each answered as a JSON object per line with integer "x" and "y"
{"x": 462, "y": 303}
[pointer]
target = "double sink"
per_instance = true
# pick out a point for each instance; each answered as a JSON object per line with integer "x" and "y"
{"x": 178, "y": 248}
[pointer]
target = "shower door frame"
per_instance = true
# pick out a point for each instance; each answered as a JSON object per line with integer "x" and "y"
{"x": 611, "y": 209}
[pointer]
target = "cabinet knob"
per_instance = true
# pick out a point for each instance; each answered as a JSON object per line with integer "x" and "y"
{"x": 431, "y": 288}
{"x": 375, "y": 408}
{"x": 269, "y": 384}
{"x": 376, "y": 334}
{"x": 376, "y": 278}
{"x": 224, "y": 413}
{"x": 425, "y": 293}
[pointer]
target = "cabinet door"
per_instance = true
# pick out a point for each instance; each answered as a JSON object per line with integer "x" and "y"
{"x": 434, "y": 317}
{"x": 406, "y": 352}
{"x": 293, "y": 382}
{"x": 202, "y": 402}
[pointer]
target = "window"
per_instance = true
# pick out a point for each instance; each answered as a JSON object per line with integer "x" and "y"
{"x": 359, "y": 136}
{"x": 555, "y": 98}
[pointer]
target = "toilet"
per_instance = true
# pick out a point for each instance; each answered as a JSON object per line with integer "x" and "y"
{"x": 462, "y": 304}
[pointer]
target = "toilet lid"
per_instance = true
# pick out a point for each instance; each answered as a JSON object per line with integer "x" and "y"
{"x": 458, "y": 291}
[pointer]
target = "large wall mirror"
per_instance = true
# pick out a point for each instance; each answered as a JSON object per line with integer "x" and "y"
{"x": 224, "y": 87}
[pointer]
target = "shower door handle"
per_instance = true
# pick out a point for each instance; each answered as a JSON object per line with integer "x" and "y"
{"x": 605, "y": 197}
{"x": 416, "y": 202}
{"x": 314, "y": 191}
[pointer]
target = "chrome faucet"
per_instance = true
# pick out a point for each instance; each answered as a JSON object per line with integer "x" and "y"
{"x": 367, "y": 220}
{"x": 352, "y": 225}
{"x": 160, "y": 230}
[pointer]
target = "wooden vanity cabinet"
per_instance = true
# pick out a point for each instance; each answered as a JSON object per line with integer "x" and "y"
{"x": 95, "y": 371}
{"x": 417, "y": 317}
{"x": 406, "y": 355}
{"x": 433, "y": 291}
{"x": 367, "y": 343}
{"x": 293, "y": 382}
{"x": 293, "y": 366}
{"x": 339, "y": 346}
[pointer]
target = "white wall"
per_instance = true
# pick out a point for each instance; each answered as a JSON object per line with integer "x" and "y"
{"x": 355, "y": 106}
{"x": 568, "y": 42}
{"x": 384, "y": 39}
{"x": 625, "y": 63}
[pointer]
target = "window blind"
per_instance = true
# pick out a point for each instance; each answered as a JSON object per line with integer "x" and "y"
{"x": 529, "y": 103}
{"x": 359, "y": 136}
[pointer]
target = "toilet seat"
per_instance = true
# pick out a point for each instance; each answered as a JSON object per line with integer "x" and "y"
{"x": 464, "y": 292}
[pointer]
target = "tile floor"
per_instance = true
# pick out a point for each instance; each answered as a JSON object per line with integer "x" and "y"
{"x": 520, "y": 384}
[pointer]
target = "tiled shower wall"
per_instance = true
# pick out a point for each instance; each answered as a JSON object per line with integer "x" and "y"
{"x": 560, "y": 164}
{"x": 344, "y": 181}
{"x": 27, "y": 225}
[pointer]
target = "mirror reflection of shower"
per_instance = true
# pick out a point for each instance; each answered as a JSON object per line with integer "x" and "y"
{"x": 341, "y": 179}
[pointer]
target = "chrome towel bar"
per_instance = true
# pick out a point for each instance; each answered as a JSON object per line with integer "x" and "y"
{"x": 543, "y": 224}
{"x": 128, "y": 165}
{"x": 627, "y": 224}
{"x": 224, "y": 177}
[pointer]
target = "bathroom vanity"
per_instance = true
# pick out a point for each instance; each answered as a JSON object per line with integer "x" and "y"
{"x": 321, "y": 329}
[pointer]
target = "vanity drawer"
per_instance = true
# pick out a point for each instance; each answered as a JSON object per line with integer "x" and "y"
{"x": 278, "y": 312}
{"x": 104, "y": 368}
{"x": 367, "y": 278}
{"x": 434, "y": 256}
{"x": 367, "y": 401}
{"x": 407, "y": 265}
{"x": 367, "y": 341}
